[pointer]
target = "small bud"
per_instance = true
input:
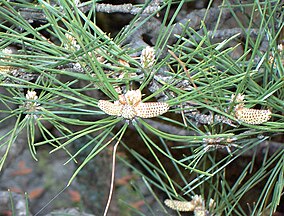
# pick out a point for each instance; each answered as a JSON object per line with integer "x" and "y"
{"x": 8, "y": 51}
{"x": 31, "y": 106}
{"x": 31, "y": 95}
{"x": 147, "y": 57}
{"x": 72, "y": 43}
{"x": 4, "y": 57}
{"x": 238, "y": 99}
{"x": 133, "y": 97}
{"x": 280, "y": 47}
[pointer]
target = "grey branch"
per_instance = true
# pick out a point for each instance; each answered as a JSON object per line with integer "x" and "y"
{"x": 124, "y": 8}
{"x": 209, "y": 118}
{"x": 32, "y": 15}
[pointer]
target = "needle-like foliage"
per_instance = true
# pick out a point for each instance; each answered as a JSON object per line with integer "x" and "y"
{"x": 224, "y": 86}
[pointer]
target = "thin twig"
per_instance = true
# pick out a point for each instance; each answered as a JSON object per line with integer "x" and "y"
{"x": 112, "y": 178}
{"x": 184, "y": 68}
{"x": 50, "y": 201}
